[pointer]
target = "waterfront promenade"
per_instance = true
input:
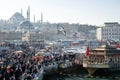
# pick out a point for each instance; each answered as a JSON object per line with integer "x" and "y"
{"x": 22, "y": 62}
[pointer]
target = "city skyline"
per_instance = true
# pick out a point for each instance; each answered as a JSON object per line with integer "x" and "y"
{"x": 94, "y": 12}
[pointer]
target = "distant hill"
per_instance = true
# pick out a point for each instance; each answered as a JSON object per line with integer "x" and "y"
{"x": 16, "y": 18}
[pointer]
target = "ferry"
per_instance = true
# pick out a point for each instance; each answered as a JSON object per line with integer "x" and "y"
{"x": 103, "y": 57}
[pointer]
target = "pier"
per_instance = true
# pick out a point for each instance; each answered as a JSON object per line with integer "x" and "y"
{"x": 26, "y": 62}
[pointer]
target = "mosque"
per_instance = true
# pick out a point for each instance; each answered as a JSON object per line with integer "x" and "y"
{"x": 26, "y": 26}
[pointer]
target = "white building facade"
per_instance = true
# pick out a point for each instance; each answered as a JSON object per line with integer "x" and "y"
{"x": 110, "y": 31}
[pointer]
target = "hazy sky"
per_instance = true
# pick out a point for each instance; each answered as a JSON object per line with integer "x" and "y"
{"x": 94, "y": 12}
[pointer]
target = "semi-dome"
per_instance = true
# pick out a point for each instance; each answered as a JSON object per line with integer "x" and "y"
{"x": 26, "y": 24}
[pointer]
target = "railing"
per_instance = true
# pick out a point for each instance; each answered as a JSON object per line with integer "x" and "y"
{"x": 39, "y": 75}
{"x": 97, "y": 64}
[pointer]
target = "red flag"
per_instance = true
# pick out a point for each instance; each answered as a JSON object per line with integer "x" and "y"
{"x": 118, "y": 46}
{"x": 87, "y": 51}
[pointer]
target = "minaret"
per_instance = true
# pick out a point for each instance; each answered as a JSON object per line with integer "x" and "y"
{"x": 41, "y": 18}
{"x": 28, "y": 13}
{"x": 21, "y": 12}
{"x": 34, "y": 18}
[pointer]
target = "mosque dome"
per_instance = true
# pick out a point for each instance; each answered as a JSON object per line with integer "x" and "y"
{"x": 16, "y": 18}
{"x": 26, "y": 24}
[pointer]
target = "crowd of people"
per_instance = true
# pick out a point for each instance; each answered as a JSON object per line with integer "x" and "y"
{"x": 19, "y": 65}
{"x": 22, "y": 63}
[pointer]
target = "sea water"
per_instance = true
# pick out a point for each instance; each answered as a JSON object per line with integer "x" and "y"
{"x": 81, "y": 77}
{"x": 84, "y": 76}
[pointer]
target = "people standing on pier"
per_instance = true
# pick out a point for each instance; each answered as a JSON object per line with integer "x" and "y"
{"x": 17, "y": 66}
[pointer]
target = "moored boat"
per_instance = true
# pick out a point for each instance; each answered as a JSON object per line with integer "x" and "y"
{"x": 104, "y": 57}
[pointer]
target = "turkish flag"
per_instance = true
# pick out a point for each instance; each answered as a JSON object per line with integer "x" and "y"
{"x": 87, "y": 51}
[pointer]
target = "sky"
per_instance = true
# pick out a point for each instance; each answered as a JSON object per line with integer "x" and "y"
{"x": 94, "y": 12}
